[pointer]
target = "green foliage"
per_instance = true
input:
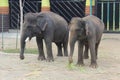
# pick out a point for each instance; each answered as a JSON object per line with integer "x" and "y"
{"x": 30, "y": 50}
{"x": 71, "y": 66}
{"x": 76, "y": 67}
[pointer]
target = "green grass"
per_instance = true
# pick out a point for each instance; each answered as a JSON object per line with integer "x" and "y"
{"x": 32, "y": 51}
{"x": 72, "y": 66}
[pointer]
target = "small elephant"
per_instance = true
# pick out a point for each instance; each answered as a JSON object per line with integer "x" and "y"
{"x": 48, "y": 26}
{"x": 88, "y": 32}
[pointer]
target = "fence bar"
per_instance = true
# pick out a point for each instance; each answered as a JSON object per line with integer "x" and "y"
{"x": 2, "y": 33}
{"x": 102, "y": 11}
{"x": 17, "y": 32}
{"x": 90, "y": 7}
{"x": 119, "y": 16}
{"x": 108, "y": 6}
{"x": 114, "y": 16}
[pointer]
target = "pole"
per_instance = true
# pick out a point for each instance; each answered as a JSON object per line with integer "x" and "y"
{"x": 90, "y": 7}
{"x": 2, "y": 34}
{"x": 17, "y": 33}
{"x": 21, "y": 15}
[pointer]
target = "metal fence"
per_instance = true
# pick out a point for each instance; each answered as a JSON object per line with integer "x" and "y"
{"x": 109, "y": 12}
{"x": 68, "y": 8}
{"x": 65, "y": 8}
{"x": 28, "y": 6}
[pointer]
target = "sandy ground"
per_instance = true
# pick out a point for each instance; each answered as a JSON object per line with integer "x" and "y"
{"x": 12, "y": 68}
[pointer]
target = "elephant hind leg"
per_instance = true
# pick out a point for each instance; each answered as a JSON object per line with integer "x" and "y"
{"x": 59, "y": 46}
{"x": 65, "y": 44}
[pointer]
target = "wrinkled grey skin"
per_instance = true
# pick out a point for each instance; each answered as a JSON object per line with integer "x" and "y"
{"x": 88, "y": 32}
{"x": 48, "y": 26}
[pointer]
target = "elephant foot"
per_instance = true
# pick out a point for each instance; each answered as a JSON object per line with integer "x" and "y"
{"x": 50, "y": 59}
{"x": 70, "y": 60}
{"x": 59, "y": 54}
{"x": 81, "y": 64}
{"x": 66, "y": 54}
{"x": 22, "y": 57}
{"x": 93, "y": 65}
{"x": 41, "y": 58}
{"x": 86, "y": 57}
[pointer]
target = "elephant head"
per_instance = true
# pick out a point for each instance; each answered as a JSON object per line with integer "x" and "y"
{"x": 78, "y": 28}
{"x": 34, "y": 24}
{"x": 78, "y": 31}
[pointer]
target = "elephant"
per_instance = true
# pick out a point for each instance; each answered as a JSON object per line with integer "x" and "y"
{"x": 47, "y": 26}
{"x": 88, "y": 32}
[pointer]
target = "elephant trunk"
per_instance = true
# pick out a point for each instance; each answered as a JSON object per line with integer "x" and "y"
{"x": 22, "y": 45}
{"x": 72, "y": 44}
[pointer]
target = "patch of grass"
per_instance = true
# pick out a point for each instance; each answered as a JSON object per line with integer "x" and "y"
{"x": 71, "y": 66}
{"x": 75, "y": 67}
{"x": 82, "y": 69}
{"x": 30, "y": 50}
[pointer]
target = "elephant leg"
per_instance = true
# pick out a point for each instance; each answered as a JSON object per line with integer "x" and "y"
{"x": 93, "y": 54}
{"x": 59, "y": 49}
{"x": 80, "y": 54}
{"x": 65, "y": 44}
{"x": 86, "y": 51}
{"x": 96, "y": 49}
{"x": 48, "y": 43}
{"x": 72, "y": 44}
{"x": 40, "y": 49}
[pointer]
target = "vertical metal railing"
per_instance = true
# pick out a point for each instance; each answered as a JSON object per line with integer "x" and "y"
{"x": 2, "y": 33}
{"x": 109, "y": 14}
{"x": 113, "y": 16}
{"x": 119, "y": 16}
{"x": 102, "y": 11}
{"x": 90, "y": 7}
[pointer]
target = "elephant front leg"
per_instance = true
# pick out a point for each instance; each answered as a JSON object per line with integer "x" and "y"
{"x": 49, "y": 50}
{"x": 93, "y": 54}
{"x": 80, "y": 54}
{"x": 72, "y": 44}
{"x": 86, "y": 51}
{"x": 40, "y": 49}
{"x": 96, "y": 49}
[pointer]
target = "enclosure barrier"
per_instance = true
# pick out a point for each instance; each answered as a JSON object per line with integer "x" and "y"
{"x": 4, "y": 15}
{"x": 109, "y": 12}
{"x": 68, "y": 8}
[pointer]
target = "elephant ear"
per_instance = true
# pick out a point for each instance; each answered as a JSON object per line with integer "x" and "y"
{"x": 41, "y": 23}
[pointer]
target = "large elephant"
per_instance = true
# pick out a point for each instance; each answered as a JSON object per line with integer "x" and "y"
{"x": 88, "y": 32}
{"x": 48, "y": 26}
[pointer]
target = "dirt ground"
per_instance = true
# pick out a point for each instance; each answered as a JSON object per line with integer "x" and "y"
{"x": 12, "y": 68}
